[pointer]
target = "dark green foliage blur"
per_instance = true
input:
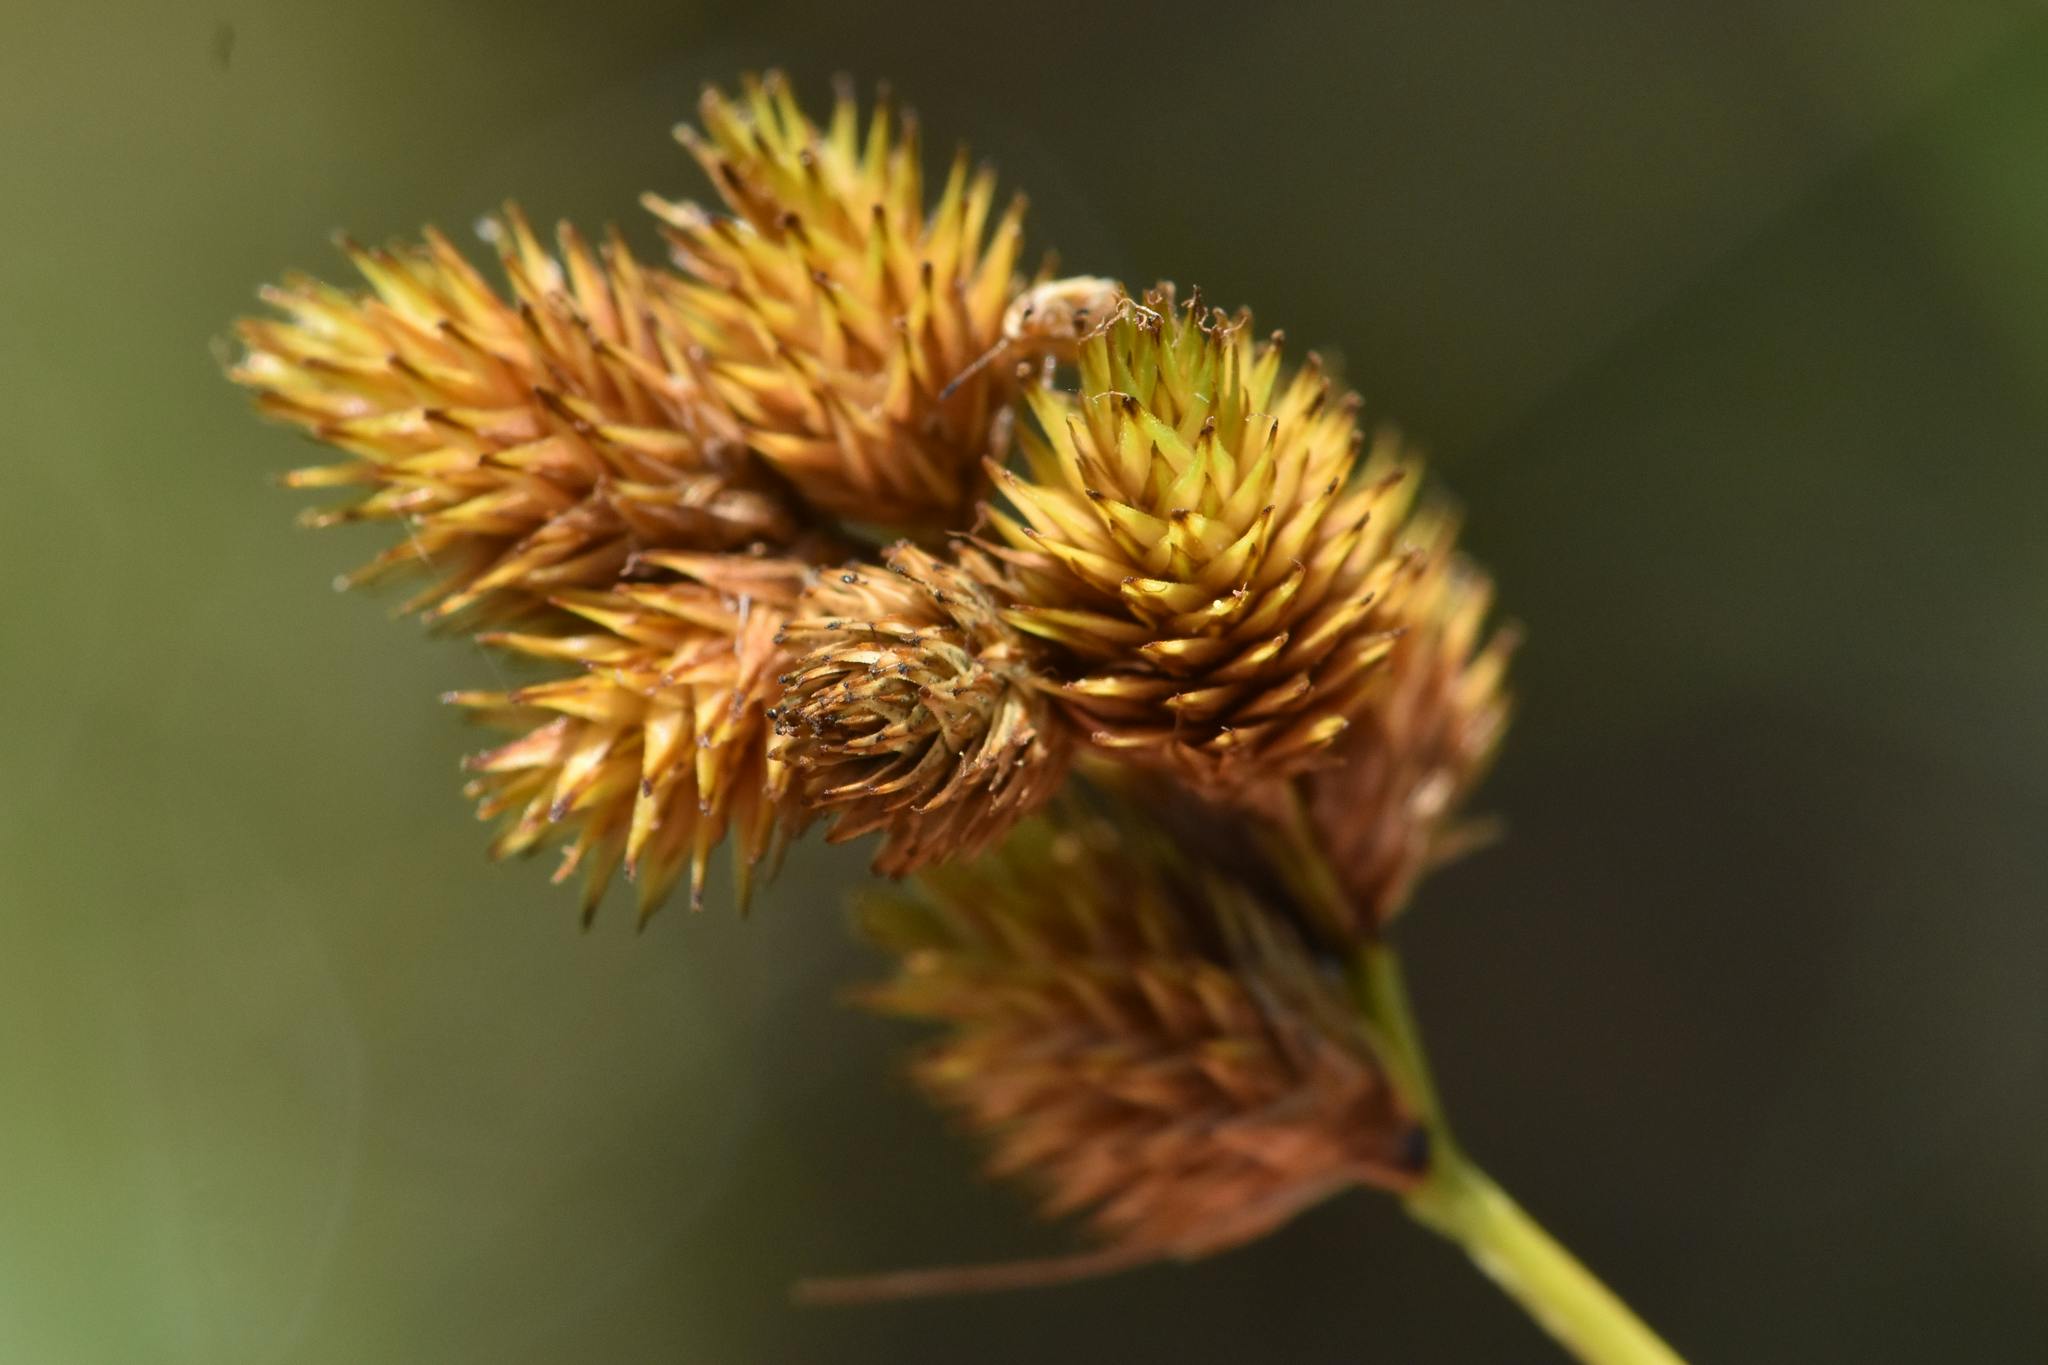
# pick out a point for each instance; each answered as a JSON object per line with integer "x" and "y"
{"x": 1728, "y": 323}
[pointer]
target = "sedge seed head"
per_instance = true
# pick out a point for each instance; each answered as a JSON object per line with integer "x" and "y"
{"x": 528, "y": 441}
{"x": 834, "y": 307}
{"x": 1147, "y": 1046}
{"x": 1388, "y": 806}
{"x": 656, "y": 748}
{"x": 1201, "y": 534}
{"x": 911, "y": 707}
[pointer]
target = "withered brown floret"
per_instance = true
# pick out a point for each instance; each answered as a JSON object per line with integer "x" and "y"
{"x": 912, "y": 708}
{"x": 1388, "y": 806}
{"x": 1141, "y": 1041}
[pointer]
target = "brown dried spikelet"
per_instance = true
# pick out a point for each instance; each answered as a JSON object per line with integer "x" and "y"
{"x": 832, "y": 312}
{"x": 1191, "y": 531}
{"x": 529, "y": 441}
{"x": 1386, "y": 808}
{"x": 660, "y": 746}
{"x": 912, "y": 708}
{"x": 1143, "y": 1042}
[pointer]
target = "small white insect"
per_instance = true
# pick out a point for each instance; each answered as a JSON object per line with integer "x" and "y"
{"x": 1048, "y": 320}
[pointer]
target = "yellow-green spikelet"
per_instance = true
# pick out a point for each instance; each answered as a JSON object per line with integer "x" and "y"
{"x": 1200, "y": 535}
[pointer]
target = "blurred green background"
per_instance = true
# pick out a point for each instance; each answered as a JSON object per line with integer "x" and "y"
{"x": 1729, "y": 324}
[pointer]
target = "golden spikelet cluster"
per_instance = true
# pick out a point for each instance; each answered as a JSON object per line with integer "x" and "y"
{"x": 1198, "y": 568}
{"x": 832, "y": 310}
{"x": 751, "y": 519}
{"x": 811, "y": 354}
{"x": 658, "y": 747}
{"x": 913, "y": 708}
{"x": 734, "y": 515}
{"x": 1386, "y": 808}
{"x": 1193, "y": 532}
{"x": 1147, "y": 1045}
{"x": 526, "y": 443}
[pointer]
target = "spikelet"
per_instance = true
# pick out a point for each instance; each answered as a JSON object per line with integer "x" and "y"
{"x": 657, "y": 749}
{"x": 831, "y": 312}
{"x": 527, "y": 442}
{"x": 1143, "y": 1041}
{"x": 1191, "y": 534}
{"x": 912, "y": 707}
{"x": 1386, "y": 809}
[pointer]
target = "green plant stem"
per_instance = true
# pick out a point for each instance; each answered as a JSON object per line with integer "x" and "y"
{"x": 1459, "y": 1201}
{"x": 1455, "y": 1198}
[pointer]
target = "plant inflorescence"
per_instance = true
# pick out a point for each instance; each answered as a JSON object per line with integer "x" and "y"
{"x": 1155, "y": 667}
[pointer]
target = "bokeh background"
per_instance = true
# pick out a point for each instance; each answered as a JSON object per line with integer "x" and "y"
{"x": 1729, "y": 324}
